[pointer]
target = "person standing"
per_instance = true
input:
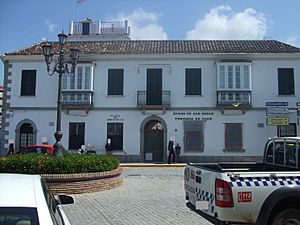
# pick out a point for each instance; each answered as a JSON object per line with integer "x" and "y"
{"x": 177, "y": 151}
{"x": 108, "y": 147}
{"x": 11, "y": 149}
{"x": 171, "y": 152}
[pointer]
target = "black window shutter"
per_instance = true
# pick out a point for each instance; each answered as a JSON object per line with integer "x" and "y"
{"x": 233, "y": 136}
{"x": 286, "y": 81}
{"x": 115, "y": 81}
{"x": 28, "y": 82}
{"x": 193, "y": 81}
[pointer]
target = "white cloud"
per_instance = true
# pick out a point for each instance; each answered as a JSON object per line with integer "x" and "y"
{"x": 143, "y": 25}
{"x": 292, "y": 40}
{"x": 223, "y": 23}
{"x": 51, "y": 26}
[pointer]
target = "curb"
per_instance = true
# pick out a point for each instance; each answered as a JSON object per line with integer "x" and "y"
{"x": 79, "y": 183}
{"x": 151, "y": 165}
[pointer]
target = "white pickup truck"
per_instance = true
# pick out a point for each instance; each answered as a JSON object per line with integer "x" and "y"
{"x": 249, "y": 193}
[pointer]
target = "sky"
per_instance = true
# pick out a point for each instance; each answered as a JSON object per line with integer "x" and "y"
{"x": 26, "y": 22}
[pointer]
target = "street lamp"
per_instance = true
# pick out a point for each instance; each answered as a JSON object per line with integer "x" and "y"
{"x": 61, "y": 67}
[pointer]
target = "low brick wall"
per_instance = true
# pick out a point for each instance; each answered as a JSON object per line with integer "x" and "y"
{"x": 83, "y": 182}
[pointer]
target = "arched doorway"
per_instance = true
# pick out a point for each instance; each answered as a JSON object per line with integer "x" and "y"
{"x": 26, "y": 135}
{"x": 154, "y": 141}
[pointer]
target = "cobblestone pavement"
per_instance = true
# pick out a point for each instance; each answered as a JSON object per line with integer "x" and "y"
{"x": 148, "y": 196}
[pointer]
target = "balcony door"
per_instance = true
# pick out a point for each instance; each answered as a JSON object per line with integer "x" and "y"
{"x": 154, "y": 87}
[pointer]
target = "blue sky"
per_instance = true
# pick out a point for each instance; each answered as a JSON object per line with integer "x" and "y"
{"x": 25, "y": 22}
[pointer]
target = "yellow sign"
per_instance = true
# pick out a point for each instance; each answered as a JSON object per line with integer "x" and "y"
{"x": 271, "y": 121}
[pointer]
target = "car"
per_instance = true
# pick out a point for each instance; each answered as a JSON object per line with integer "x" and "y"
{"x": 27, "y": 200}
{"x": 45, "y": 149}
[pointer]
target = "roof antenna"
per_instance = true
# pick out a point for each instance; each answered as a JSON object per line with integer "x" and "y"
{"x": 78, "y": 2}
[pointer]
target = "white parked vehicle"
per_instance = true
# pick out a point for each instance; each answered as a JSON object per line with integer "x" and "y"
{"x": 27, "y": 200}
{"x": 249, "y": 193}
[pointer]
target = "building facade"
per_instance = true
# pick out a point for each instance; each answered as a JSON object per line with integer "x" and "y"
{"x": 219, "y": 100}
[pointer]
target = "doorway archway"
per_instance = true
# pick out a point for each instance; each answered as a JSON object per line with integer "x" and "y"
{"x": 153, "y": 140}
{"x": 25, "y": 134}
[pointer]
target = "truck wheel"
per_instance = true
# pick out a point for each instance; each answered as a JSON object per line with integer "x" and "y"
{"x": 287, "y": 217}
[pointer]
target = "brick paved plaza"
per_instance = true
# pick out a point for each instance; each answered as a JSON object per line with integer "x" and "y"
{"x": 147, "y": 196}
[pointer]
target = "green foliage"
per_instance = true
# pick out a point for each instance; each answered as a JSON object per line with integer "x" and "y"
{"x": 68, "y": 163}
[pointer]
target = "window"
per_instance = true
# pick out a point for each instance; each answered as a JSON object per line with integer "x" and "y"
{"x": 115, "y": 81}
{"x": 193, "y": 136}
{"x": 286, "y": 81}
{"x": 19, "y": 215}
{"x": 222, "y": 76}
{"x": 79, "y": 78}
{"x": 193, "y": 81}
{"x": 87, "y": 81}
{"x": 287, "y": 130}
{"x": 234, "y": 76}
{"x": 233, "y": 137}
{"x": 72, "y": 82}
{"x": 230, "y": 77}
{"x": 246, "y": 77}
{"x": 81, "y": 81}
{"x": 28, "y": 82}
{"x": 285, "y": 152}
{"x": 115, "y": 134}
{"x": 237, "y": 77}
{"x": 65, "y": 81}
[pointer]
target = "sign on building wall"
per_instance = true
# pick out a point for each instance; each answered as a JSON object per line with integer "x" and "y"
{"x": 273, "y": 121}
{"x": 277, "y": 111}
{"x": 115, "y": 117}
{"x": 199, "y": 116}
{"x": 277, "y": 104}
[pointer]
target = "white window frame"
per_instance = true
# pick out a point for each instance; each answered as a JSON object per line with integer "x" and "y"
{"x": 67, "y": 86}
{"x": 233, "y": 77}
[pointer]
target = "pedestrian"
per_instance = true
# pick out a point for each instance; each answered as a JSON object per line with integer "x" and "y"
{"x": 11, "y": 149}
{"x": 177, "y": 151}
{"x": 80, "y": 151}
{"x": 171, "y": 151}
{"x": 108, "y": 147}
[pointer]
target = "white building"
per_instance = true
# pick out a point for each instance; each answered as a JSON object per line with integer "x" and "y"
{"x": 220, "y": 100}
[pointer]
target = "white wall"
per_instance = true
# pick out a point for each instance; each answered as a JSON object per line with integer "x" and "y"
{"x": 264, "y": 89}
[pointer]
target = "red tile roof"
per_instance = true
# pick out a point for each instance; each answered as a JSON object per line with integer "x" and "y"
{"x": 166, "y": 47}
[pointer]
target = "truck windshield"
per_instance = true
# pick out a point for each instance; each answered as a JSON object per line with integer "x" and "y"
{"x": 18, "y": 216}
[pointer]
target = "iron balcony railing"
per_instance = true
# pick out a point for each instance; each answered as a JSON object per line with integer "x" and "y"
{"x": 104, "y": 28}
{"x": 147, "y": 101}
{"x": 234, "y": 99}
{"x": 77, "y": 98}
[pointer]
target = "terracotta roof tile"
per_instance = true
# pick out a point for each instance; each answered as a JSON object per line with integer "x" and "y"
{"x": 165, "y": 47}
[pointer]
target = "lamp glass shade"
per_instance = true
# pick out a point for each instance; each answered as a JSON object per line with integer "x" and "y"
{"x": 62, "y": 38}
{"x": 74, "y": 54}
{"x": 47, "y": 49}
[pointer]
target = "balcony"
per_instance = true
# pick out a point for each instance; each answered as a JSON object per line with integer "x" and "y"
{"x": 100, "y": 28}
{"x": 77, "y": 100}
{"x": 148, "y": 100}
{"x": 234, "y": 99}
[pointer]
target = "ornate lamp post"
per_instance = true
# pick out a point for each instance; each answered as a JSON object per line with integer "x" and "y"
{"x": 61, "y": 67}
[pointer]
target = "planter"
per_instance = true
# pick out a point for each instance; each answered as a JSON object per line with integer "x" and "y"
{"x": 78, "y": 183}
